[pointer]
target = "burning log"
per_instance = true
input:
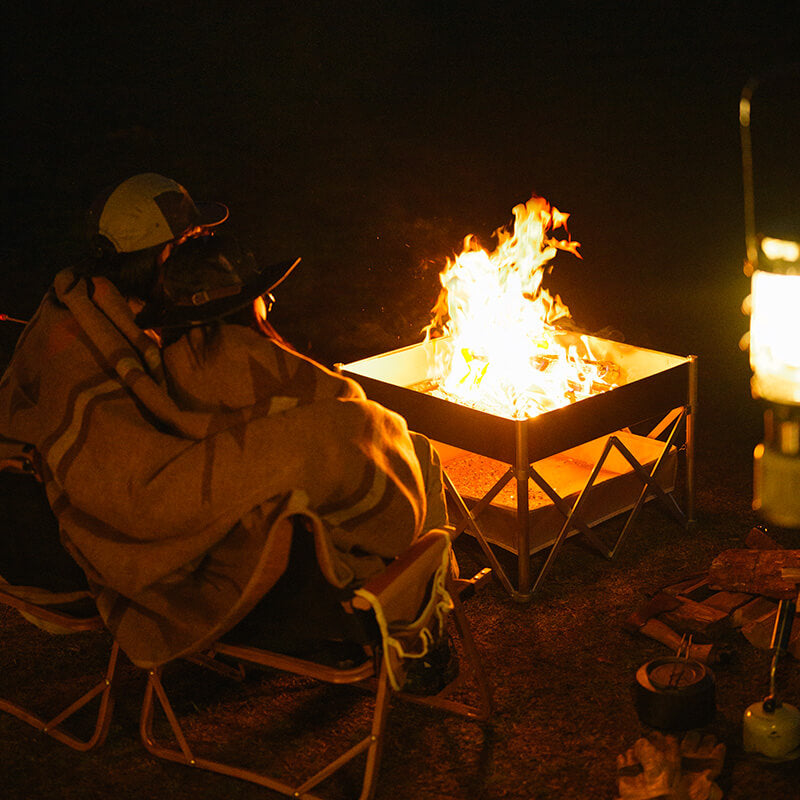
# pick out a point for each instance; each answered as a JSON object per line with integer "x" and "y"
{"x": 606, "y": 375}
{"x": 772, "y": 573}
{"x": 509, "y": 354}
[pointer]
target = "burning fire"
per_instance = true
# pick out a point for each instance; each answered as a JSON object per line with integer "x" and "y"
{"x": 505, "y": 352}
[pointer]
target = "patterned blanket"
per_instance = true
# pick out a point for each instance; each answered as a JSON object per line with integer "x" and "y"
{"x": 173, "y": 487}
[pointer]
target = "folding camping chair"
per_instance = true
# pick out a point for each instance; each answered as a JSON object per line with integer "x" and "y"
{"x": 61, "y": 606}
{"x": 402, "y": 612}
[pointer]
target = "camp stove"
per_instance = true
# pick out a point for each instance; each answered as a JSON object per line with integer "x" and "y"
{"x": 558, "y": 473}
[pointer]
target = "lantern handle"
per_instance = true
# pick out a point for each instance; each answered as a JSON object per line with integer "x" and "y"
{"x": 751, "y": 242}
{"x": 748, "y": 185}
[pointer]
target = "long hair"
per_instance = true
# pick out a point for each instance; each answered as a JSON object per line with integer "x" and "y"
{"x": 246, "y": 317}
{"x": 134, "y": 274}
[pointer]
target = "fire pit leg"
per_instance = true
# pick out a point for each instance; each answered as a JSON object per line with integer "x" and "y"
{"x": 523, "y": 516}
{"x": 691, "y": 410}
{"x": 472, "y": 524}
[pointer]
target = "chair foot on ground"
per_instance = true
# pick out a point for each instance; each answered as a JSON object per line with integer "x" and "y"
{"x": 101, "y": 692}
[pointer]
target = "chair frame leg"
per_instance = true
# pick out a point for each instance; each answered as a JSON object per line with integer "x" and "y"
{"x": 432, "y": 551}
{"x": 479, "y": 711}
{"x": 52, "y": 727}
{"x": 372, "y": 743}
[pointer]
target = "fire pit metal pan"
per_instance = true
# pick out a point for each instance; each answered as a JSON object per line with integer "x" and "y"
{"x": 656, "y": 383}
{"x": 654, "y": 386}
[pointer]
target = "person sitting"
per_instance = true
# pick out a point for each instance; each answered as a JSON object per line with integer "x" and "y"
{"x": 171, "y": 494}
{"x": 132, "y": 228}
{"x": 221, "y": 352}
{"x": 222, "y": 355}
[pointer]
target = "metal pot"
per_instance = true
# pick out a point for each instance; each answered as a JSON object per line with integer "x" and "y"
{"x": 674, "y": 693}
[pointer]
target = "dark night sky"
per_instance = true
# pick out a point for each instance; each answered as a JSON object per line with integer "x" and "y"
{"x": 371, "y": 137}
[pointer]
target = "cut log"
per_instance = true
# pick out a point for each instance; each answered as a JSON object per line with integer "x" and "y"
{"x": 759, "y": 539}
{"x": 759, "y": 631}
{"x": 693, "y": 616}
{"x": 755, "y": 609}
{"x": 656, "y": 629}
{"x": 794, "y": 639}
{"x": 686, "y": 587}
{"x": 756, "y": 572}
{"x": 727, "y": 602}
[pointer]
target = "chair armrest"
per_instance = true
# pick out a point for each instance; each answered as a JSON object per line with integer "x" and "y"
{"x": 413, "y": 563}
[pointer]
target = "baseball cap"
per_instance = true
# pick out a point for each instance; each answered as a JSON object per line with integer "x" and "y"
{"x": 147, "y": 210}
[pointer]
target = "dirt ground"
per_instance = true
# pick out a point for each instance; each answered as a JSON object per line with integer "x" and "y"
{"x": 370, "y": 145}
{"x": 562, "y": 671}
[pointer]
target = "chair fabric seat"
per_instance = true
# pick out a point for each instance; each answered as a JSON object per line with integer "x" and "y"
{"x": 302, "y": 614}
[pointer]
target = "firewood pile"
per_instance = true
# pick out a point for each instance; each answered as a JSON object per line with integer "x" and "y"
{"x": 741, "y": 590}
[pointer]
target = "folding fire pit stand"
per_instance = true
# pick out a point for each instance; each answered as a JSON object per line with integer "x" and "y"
{"x": 658, "y": 387}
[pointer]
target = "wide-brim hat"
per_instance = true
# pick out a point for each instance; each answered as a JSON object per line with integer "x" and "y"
{"x": 147, "y": 210}
{"x": 209, "y": 278}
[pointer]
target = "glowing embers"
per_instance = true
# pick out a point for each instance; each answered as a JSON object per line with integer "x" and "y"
{"x": 505, "y": 352}
{"x": 552, "y": 381}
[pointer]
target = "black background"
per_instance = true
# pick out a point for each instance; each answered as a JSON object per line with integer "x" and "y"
{"x": 370, "y": 138}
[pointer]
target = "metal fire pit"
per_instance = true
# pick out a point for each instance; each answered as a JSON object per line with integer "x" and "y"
{"x": 658, "y": 388}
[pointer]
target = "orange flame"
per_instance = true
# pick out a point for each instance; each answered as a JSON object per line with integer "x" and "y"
{"x": 503, "y": 353}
